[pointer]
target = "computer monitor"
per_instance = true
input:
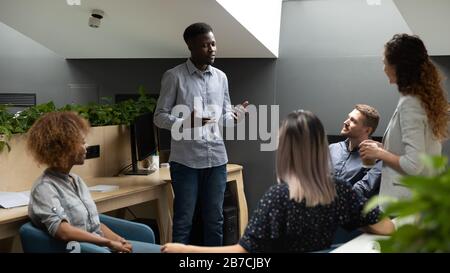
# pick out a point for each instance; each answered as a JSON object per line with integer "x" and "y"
{"x": 164, "y": 139}
{"x": 142, "y": 142}
{"x": 164, "y": 136}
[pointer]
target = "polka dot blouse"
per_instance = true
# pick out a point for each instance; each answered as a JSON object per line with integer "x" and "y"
{"x": 280, "y": 224}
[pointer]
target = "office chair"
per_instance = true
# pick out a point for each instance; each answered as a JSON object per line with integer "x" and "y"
{"x": 35, "y": 240}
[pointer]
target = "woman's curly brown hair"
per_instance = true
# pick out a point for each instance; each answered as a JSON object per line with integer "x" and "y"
{"x": 417, "y": 76}
{"x": 55, "y": 138}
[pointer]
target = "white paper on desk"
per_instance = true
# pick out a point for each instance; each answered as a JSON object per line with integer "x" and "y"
{"x": 14, "y": 199}
{"x": 103, "y": 188}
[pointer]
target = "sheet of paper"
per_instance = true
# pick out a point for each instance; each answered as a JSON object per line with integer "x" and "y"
{"x": 14, "y": 199}
{"x": 103, "y": 188}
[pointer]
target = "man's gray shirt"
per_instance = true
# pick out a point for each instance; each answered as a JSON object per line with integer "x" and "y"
{"x": 179, "y": 86}
{"x": 348, "y": 167}
{"x": 57, "y": 197}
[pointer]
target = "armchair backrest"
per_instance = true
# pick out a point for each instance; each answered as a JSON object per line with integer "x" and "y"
{"x": 36, "y": 240}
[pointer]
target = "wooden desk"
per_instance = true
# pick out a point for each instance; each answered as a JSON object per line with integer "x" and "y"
{"x": 135, "y": 190}
{"x": 132, "y": 190}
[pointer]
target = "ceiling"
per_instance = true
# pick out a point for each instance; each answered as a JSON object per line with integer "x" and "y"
{"x": 153, "y": 28}
{"x": 132, "y": 28}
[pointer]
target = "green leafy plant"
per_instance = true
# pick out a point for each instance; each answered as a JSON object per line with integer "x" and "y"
{"x": 6, "y": 128}
{"x": 23, "y": 120}
{"x": 429, "y": 205}
{"x": 99, "y": 114}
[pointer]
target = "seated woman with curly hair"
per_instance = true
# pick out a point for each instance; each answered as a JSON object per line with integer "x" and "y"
{"x": 60, "y": 200}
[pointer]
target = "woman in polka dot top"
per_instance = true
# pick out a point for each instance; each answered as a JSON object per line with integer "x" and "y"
{"x": 302, "y": 212}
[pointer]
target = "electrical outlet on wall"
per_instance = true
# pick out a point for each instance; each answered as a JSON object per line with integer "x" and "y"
{"x": 93, "y": 151}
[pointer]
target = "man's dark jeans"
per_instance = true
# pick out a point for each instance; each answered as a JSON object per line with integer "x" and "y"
{"x": 208, "y": 187}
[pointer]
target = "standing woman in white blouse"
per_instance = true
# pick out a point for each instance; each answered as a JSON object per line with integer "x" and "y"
{"x": 419, "y": 123}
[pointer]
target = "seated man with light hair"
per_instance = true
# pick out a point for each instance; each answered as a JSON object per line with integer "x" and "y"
{"x": 347, "y": 165}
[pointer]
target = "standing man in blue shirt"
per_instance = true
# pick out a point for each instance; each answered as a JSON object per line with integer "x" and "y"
{"x": 197, "y": 165}
{"x": 359, "y": 126}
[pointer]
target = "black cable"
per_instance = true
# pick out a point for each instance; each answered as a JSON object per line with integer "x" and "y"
{"x": 131, "y": 212}
{"x": 123, "y": 169}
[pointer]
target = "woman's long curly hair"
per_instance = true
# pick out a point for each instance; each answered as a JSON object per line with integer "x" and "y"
{"x": 55, "y": 138}
{"x": 417, "y": 76}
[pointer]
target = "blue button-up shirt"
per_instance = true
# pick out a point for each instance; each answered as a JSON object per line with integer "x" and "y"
{"x": 179, "y": 86}
{"x": 348, "y": 167}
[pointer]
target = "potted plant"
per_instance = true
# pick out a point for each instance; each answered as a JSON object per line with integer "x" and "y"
{"x": 429, "y": 206}
{"x": 102, "y": 114}
{"x": 5, "y": 127}
{"x": 20, "y": 122}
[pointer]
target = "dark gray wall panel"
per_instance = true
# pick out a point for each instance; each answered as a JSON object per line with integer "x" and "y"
{"x": 252, "y": 80}
{"x": 330, "y": 87}
{"x": 121, "y": 76}
{"x": 443, "y": 63}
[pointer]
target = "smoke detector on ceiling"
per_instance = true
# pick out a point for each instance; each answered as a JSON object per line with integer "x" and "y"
{"x": 96, "y": 17}
{"x": 73, "y": 2}
{"x": 373, "y": 2}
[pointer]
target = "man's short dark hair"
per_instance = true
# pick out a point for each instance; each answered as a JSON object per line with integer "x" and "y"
{"x": 372, "y": 117}
{"x": 196, "y": 29}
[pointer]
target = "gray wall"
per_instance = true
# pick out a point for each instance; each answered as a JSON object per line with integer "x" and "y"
{"x": 325, "y": 68}
{"x": 252, "y": 80}
{"x": 329, "y": 61}
{"x": 28, "y": 67}
{"x": 443, "y": 63}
